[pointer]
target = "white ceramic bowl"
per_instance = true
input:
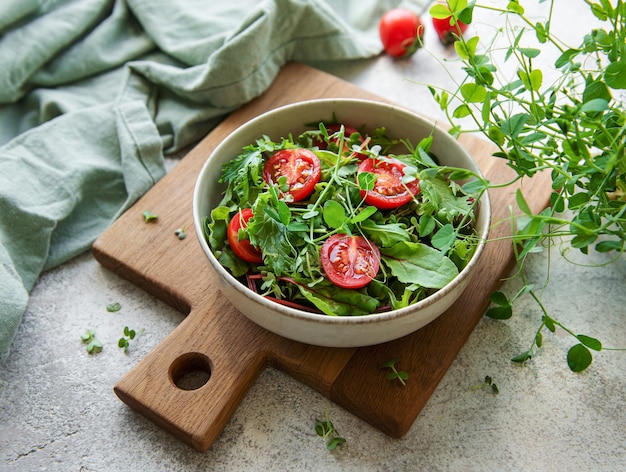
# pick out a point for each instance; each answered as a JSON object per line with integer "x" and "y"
{"x": 320, "y": 329}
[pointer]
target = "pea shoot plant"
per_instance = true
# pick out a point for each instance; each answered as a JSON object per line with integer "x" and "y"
{"x": 401, "y": 375}
{"x": 488, "y": 384}
{"x": 148, "y": 216}
{"x": 129, "y": 335}
{"x": 93, "y": 345}
{"x": 326, "y": 430}
{"x": 573, "y": 128}
{"x": 114, "y": 307}
{"x": 181, "y": 233}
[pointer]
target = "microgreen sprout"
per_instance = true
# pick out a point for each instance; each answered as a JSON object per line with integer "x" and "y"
{"x": 488, "y": 384}
{"x": 93, "y": 345}
{"x": 129, "y": 335}
{"x": 326, "y": 430}
{"x": 149, "y": 216}
{"x": 114, "y": 307}
{"x": 181, "y": 233}
{"x": 401, "y": 375}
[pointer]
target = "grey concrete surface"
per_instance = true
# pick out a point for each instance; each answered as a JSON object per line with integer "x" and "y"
{"x": 58, "y": 411}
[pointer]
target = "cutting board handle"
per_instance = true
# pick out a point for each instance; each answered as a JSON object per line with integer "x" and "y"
{"x": 192, "y": 383}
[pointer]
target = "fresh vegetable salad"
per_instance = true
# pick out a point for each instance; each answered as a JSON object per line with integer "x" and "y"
{"x": 342, "y": 221}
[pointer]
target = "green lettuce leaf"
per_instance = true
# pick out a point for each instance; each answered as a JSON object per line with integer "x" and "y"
{"x": 336, "y": 301}
{"x": 419, "y": 264}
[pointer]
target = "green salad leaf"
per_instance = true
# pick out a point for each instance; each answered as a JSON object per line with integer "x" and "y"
{"x": 337, "y": 301}
{"x": 417, "y": 263}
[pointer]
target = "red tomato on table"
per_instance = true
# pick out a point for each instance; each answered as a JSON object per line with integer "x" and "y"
{"x": 447, "y": 33}
{"x": 401, "y": 32}
{"x": 349, "y": 261}
{"x": 242, "y": 248}
{"x": 389, "y": 191}
{"x": 300, "y": 167}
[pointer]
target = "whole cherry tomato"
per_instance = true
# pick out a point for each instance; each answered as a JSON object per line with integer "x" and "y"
{"x": 300, "y": 167}
{"x": 448, "y": 33}
{"x": 242, "y": 248}
{"x": 389, "y": 191}
{"x": 401, "y": 32}
{"x": 349, "y": 261}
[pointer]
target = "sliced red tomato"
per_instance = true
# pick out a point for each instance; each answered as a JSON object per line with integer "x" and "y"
{"x": 350, "y": 261}
{"x": 448, "y": 33}
{"x": 242, "y": 248}
{"x": 401, "y": 32}
{"x": 300, "y": 167}
{"x": 389, "y": 191}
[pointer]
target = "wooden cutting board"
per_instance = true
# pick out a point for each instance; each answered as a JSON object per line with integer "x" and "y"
{"x": 215, "y": 339}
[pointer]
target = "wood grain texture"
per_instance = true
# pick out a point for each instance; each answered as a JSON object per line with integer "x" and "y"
{"x": 215, "y": 337}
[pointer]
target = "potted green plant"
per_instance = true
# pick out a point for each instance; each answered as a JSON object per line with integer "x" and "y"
{"x": 574, "y": 128}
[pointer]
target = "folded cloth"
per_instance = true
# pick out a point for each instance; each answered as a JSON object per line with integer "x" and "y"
{"x": 94, "y": 93}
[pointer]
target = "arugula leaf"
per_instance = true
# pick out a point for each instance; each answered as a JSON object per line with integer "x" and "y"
{"x": 419, "y": 264}
{"x": 242, "y": 171}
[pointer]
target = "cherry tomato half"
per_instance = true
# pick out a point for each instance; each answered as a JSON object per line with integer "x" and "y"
{"x": 349, "y": 261}
{"x": 447, "y": 33}
{"x": 242, "y": 248}
{"x": 301, "y": 167}
{"x": 401, "y": 32}
{"x": 389, "y": 191}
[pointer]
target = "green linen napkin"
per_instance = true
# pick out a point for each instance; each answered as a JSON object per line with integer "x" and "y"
{"x": 93, "y": 94}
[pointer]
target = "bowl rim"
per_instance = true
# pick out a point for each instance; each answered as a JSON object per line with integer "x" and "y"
{"x": 485, "y": 206}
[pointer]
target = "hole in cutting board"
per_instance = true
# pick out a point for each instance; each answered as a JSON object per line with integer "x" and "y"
{"x": 190, "y": 371}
